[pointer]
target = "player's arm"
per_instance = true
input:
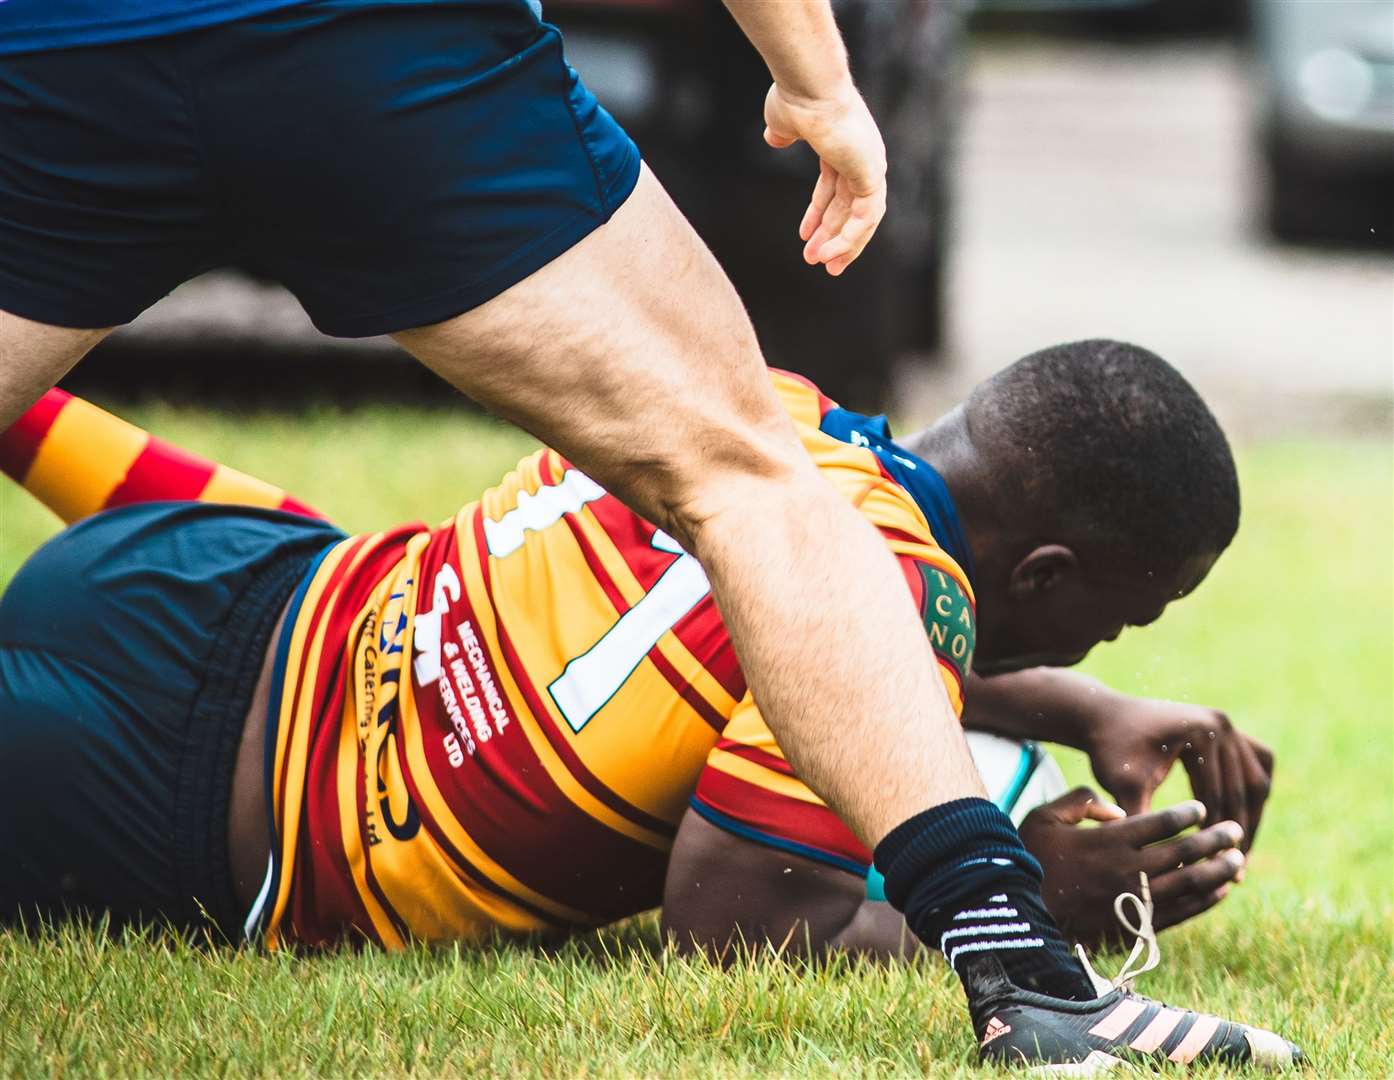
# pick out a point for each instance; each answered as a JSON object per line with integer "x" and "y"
{"x": 1132, "y": 743}
{"x": 724, "y": 894}
{"x": 813, "y": 100}
{"x": 78, "y": 459}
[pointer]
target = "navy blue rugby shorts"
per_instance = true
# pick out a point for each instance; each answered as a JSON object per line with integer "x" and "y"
{"x": 393, "y": 166}
{"x": 130, "y": 646}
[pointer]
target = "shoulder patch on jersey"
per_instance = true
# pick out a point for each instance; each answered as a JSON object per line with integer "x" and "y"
{"x": 948, "y": 618}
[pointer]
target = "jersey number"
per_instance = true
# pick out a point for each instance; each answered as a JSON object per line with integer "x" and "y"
{"x": 593, "y": 678}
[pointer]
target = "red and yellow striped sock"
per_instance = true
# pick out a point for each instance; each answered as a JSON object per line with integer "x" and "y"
{"x": 77, "y": 459}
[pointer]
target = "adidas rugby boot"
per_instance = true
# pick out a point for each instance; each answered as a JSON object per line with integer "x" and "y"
{"x": 1058, "y": 1037}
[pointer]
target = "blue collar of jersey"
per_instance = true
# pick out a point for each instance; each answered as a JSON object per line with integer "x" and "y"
{"x": 914, "y": 474}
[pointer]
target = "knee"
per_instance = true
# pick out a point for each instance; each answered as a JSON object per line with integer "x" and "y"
{"x": 749, "y": 467}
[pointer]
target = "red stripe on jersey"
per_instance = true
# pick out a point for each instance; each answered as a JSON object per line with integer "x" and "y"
{"x": 294, "y": 506}
{"x": 19, "y": 445}
{"x": 911, "y": 569}
{"x": 689, "y": 693}
{"x": 161, "y": 472}
{"x": 892, "y": 533}
{"x": 704, "y": 635}
{"x": 763, "y": 758}
{"x": 779, "y": 816}
{"x": 535, "y": 705}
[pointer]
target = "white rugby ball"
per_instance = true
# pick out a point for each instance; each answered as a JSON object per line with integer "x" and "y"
{"x": 1019, "y": 776}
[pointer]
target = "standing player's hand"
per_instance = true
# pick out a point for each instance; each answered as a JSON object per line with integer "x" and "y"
{"x": 1086, "y": 868}
{"x": 850, "y": 197}
{"x": 1136, "y": 741}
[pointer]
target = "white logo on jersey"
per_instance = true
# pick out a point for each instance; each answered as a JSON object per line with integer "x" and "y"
{"x": 426, "y": 633}
{"x": 537, "y": 512}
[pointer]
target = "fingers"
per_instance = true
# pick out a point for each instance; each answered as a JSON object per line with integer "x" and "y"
{"x": 778, "y": 140}
{"x": 1258, "y": 781}
{"x": 1203, "y": 767}
{"x": 1133, "y": 798}
{"x": 1158, "y": 825}
{"x": 1159, "y": 859}
{"x": 828, "y": 240}
{"x": 823, "y": 193}
{"x": 1081, "y": 804}
{"x": 846, "y": 228}
{"x": 1234, "y": 802}
{"x": 1183, "y": 894}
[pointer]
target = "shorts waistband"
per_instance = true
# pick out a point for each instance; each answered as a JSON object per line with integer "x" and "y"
{"x": 251, "y": 922}
{"x": 216, "y": 724}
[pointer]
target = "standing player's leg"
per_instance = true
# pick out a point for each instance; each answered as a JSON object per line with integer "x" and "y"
{"x": 631, "y": 354}
{"x": 34, "y": 356}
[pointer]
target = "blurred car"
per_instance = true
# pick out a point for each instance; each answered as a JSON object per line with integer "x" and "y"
{"x": 1327, "y": 118}
{"x": 681, "y": 78}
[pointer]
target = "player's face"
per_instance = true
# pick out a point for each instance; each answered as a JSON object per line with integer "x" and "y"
{"x": 1059, "y": 625}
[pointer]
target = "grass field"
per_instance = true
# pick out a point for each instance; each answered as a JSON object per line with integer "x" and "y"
{"x": 1292, "y": 635}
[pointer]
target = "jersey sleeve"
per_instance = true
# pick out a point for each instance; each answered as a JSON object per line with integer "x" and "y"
{"x": 946, "y": 608}
{"x": 748, "y": 789}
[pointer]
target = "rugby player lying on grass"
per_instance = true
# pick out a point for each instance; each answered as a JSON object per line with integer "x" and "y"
{"x": 530, "y": 719}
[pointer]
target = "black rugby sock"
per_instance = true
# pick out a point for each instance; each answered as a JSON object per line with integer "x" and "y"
{"x": 968, "y": 887}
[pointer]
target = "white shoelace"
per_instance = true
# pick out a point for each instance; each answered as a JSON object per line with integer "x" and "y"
{"x": 1142, "y": 930}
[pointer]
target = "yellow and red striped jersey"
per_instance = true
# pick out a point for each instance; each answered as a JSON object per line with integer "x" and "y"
{"x": 498, "y": 723}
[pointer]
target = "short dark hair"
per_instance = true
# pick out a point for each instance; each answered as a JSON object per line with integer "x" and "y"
{"x": 1112, "y": 446}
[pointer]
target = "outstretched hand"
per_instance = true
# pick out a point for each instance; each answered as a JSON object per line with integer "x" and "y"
{"x": 1085, "y": 868}
{"x": 849, "y": 199}
{"x": 1135, "y": 745}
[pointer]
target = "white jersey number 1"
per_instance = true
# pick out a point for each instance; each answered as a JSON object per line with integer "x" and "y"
{"x": 594, "y": 677}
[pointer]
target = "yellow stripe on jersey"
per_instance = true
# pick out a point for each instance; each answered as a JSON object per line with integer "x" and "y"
{"x": 295, "y": 723}
{"x": 230, "y": 486}
{"x": 791, "y": 787}
{"x": 62, "y": 475}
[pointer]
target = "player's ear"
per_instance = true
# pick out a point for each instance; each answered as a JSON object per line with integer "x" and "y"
{"x": 1042, "y": 569}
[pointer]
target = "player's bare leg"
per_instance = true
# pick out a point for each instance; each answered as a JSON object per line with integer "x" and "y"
{"x": 632, "y": 355}
{"x": 34, "y": 356}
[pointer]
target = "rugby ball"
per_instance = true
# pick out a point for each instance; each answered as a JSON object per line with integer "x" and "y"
{"x": 1019, "y": 776}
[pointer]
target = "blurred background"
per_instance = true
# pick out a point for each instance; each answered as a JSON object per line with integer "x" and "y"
{"x": 1213, "y": 179}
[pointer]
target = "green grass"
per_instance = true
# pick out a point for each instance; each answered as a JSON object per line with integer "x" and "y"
{"x": 1292, "y": 635}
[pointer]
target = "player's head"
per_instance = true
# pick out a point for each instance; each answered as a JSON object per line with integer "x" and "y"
{"x": 1100, "y": 488}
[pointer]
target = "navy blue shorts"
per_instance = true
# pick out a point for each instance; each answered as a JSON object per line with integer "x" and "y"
{"x": 392, "y": 166}
{"x": 130, "y": 646}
